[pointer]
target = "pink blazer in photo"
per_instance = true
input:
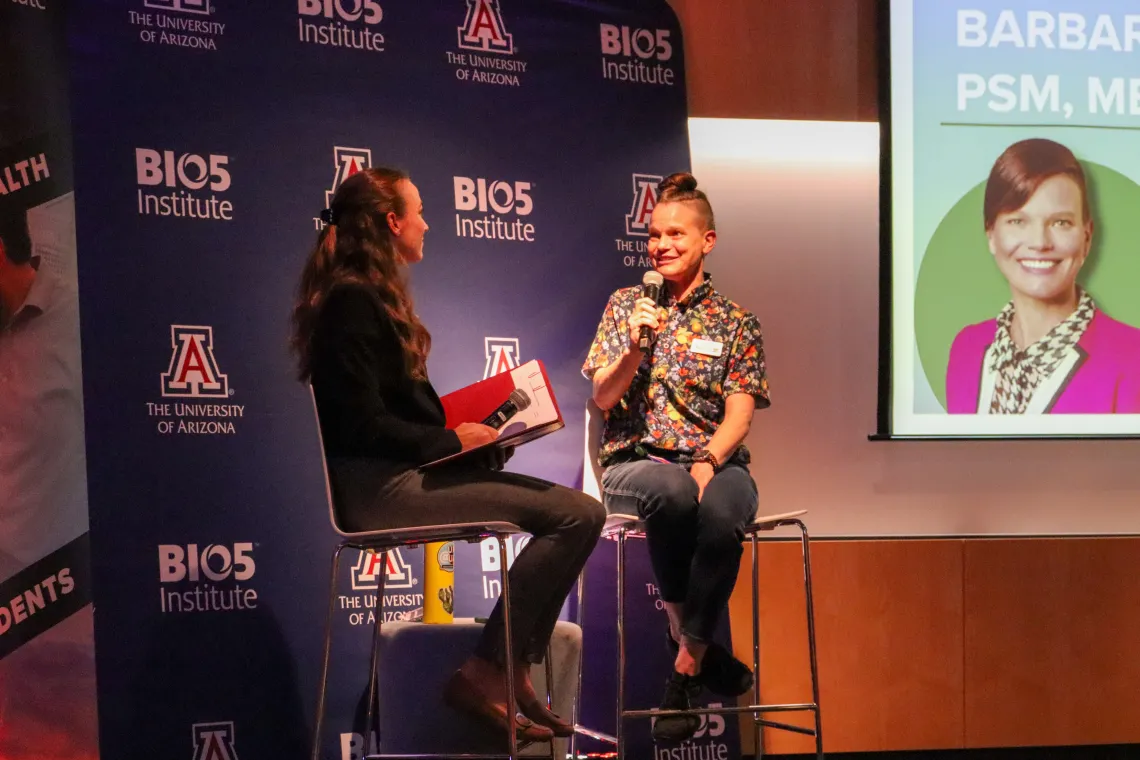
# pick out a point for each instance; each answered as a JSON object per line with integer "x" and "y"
{"x": 1100, "y": 376}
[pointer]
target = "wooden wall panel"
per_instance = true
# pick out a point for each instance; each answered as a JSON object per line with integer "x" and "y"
{"x": 1050, "y": 638}
{"x": 889, "y": 640}
{"x": 780, "y": 59}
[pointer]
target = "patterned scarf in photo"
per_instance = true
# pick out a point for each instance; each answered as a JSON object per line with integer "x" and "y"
{"x": 1020, "y": 372}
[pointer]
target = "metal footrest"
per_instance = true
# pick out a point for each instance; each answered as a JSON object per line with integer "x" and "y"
{"x": 716, "y": 711}
{"x": 598, "y": 735}
{"x": 786, "y": 727}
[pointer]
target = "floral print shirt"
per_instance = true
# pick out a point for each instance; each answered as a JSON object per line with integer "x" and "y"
{"x": 707, "y": 349}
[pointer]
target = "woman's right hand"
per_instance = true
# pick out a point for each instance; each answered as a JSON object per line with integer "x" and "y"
{"x": 472, "y": 434}
{"x": 644, "y": 313}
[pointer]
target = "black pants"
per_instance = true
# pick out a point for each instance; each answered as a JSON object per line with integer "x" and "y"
{"x": 695, "y": 547}
{"x": 564, "y": 523}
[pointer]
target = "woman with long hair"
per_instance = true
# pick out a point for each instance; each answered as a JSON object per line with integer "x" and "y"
{"x": 364, "y": 350}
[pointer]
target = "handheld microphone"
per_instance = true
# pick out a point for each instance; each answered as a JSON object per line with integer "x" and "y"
{"x": 515, "y": 403}
{"x": 650, "y": 288}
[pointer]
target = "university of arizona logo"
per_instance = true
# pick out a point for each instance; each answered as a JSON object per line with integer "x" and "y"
{"x": 502, "y": 355}
{"x": 185, "y": 6}
{"x": 483, "y": 29}
{"x": 398, "y": 573}
{"x": 644, "y": 199}
{"x": 214, "y": 741}
{"x": 193, "y": 369}
{"x": 348, "y": 161}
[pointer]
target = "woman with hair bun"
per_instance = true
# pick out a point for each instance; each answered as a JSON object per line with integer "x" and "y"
{"x": 673, "y": 442}
{"x": 364, "y": 350}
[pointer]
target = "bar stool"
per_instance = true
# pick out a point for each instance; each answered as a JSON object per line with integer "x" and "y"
{"x": 618, "y": 528}
{"x": 381, "y": 541}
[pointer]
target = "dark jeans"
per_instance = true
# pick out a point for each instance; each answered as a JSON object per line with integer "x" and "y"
{"x": 564, "y": 523}
{"x": 695, "y": 547}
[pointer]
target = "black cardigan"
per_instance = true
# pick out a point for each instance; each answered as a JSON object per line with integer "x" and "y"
{"x": 369, "y": 406}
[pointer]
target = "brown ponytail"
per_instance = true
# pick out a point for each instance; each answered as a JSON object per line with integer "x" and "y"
{"x": 357, "y": 246}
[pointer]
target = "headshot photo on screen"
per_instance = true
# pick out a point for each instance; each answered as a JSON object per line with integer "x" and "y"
{"x": 1050, "y": 349}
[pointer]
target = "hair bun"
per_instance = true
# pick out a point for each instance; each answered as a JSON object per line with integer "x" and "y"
{"x": 680, "y": 182}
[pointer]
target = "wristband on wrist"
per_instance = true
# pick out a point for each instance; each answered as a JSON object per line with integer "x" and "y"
{"x": 704, "y": 455}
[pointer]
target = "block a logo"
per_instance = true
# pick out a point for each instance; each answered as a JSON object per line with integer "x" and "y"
{"x": 185, "y": 6}
{"x": 483, "y": 29}
{"x": 644, "y": 199}
{"x": 214, "y": 741}
{"x": 348, "y": 161}
{"x": 193, "y": 371}
{"x": 502, "y": 355}
{"x": 398, "y": 573}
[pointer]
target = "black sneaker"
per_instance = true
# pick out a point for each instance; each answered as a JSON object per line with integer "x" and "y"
{"x": 680, "y": 691}
{"x": 721, "y": 673}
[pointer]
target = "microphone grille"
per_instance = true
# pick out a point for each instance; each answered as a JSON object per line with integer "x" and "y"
{"x": 520, "y": 398}
{"x": 652, "y": 278}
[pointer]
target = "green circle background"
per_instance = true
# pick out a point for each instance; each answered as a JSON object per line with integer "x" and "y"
{"x": 959, "y": 284}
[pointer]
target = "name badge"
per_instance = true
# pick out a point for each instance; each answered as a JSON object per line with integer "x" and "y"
{"x": 707, "y": 347}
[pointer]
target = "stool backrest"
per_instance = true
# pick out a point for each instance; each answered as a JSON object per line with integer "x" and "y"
{"x": 324, "y": 464}
{"x": 591, "y": 472}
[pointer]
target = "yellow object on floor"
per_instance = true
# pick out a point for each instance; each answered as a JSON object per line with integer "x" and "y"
{"x": 439, "y": 582}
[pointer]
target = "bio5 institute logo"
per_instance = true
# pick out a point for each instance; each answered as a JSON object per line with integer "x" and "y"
{"x": 638, "y": 56}
{"x": 346, "y": 162}
{"x": 486, "y": 50}
{"x": 202, "y": 389}
{"x": 214, "y": 741}
{"x": 195, "y": 578}
{"x": 484, "y": 209}
{"x": 643, "y": 200}
{"x": 181, "y": 23}
{"x": 183, "y": 185}
{"x": 490, "y": 562}
{"x": 341, "y": 23}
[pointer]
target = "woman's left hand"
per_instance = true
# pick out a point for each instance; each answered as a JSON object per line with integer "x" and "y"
{"x": 496, "y": 457}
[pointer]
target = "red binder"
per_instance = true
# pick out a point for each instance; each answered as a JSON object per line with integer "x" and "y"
{"x": 477, "y": 401}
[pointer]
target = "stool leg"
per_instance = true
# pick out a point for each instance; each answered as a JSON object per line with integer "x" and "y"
{"x": 374, "y": 659}
{"x": 620, "y": 732}
{"x": 549, "y": 667}
{"x": 322, "y": 688}
{"x": 508, "y": 654}
{"x": 575, "y": 712}
{"x": 757, "y": 728}
{"x": 805, "y": 543}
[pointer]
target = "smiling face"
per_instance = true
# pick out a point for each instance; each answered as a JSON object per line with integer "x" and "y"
{"x": 1041, "y": 247}
{"x": 679, "y": 240}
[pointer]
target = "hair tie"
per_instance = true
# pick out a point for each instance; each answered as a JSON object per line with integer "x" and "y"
{"x": 327, "y": 216}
